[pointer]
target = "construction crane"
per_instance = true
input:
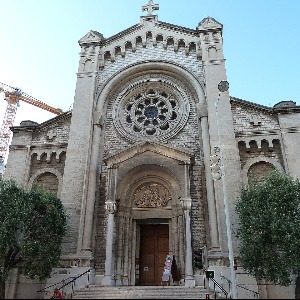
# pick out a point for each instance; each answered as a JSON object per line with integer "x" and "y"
{"x": 13, "y": 95}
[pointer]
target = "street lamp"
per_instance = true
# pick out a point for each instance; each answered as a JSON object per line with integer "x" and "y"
{"x": 218, "y": 172}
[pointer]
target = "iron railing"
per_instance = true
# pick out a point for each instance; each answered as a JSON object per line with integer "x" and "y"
{"x": 63, "y": 283}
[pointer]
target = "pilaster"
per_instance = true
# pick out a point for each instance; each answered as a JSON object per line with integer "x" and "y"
{"x": 220, "y": 120}
{"x": 80, "y": 171}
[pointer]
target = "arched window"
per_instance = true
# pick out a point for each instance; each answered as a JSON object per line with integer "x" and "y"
{"x": 259, "y": 170}
{"x": 49, "y": 181}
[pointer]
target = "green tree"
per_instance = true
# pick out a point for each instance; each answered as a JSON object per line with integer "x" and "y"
{"x": 32, "y": 226}
{"x": 269, "y": 228}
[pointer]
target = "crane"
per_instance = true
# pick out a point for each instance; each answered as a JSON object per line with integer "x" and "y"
{"x": 13, "y": 95}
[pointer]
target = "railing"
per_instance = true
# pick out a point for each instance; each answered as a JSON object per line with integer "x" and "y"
{"x": 220, "y": 287}
{"x": 256, "y": 294}
{"x": 229, "y": 283}
{"x": 71, "y": 280}
{"x": 214, "y": 289}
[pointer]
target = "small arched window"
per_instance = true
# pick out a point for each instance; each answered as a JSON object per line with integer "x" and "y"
{"x": 259, "y": 170}
{"x": 49, "y": 181}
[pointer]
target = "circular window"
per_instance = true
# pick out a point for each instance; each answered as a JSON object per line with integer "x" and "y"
{"x": 151, "y": 112}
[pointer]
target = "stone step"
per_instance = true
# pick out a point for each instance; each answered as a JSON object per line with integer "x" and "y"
{"x": 138, "y": 292}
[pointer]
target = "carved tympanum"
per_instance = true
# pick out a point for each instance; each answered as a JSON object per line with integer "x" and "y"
{"x": 151, "y": 195}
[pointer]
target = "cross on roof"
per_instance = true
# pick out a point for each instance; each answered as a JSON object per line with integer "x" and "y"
{"x": 150, "y": 7}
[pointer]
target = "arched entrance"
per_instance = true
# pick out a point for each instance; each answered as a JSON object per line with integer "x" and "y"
{"x": 148, "y": 183}
{"x": 154, "y": 216}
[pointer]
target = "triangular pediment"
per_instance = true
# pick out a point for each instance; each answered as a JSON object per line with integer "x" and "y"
{"x": 91, "y": 37}
{"x": 30, "y": 125}
{"x": 149, "y": 26}
{"x": 209, "y": 23}
{"x": 149, "y": 146}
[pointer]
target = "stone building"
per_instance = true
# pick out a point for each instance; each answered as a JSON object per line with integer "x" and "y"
{"x": 133, "y": 161}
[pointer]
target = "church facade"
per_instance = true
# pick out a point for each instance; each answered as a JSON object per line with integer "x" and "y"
{"x": 152, "y": 157}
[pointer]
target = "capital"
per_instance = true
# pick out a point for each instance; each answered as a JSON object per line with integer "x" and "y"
{"x": 110, "y": 207}
{"x": 186, "y": 204}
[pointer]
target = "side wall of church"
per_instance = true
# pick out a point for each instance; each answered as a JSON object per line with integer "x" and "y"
{"x": 258, "y": 138}
{"x": 19, "y": 157}
{"x": 290, "y": 127}
{"x": 266, "y": 135}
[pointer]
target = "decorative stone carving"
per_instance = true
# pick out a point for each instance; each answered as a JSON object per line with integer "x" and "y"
{"x": 186, "y": 204}
{"x": 110, "y": 207}
{"x": 51, "y": 134}
{"x": 151, "y": 108}
{"x": 151, "y": 195}
{"x": 215, "y": 164}
{"x": 255, "y": 120}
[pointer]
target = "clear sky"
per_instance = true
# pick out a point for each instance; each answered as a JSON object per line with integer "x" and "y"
{"x": 39, "y": 50}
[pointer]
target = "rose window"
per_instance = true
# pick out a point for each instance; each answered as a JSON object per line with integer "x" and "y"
{"x": 150, "y": 113}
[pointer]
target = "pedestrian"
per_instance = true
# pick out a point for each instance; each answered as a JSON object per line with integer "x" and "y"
{"x": 57, "y": 294}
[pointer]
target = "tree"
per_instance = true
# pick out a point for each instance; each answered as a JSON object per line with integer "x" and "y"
{"x": 269, "y": 228}
{"x": 32, "y": 226}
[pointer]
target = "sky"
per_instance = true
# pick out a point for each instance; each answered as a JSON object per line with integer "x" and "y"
{"x": 39, "y": 51}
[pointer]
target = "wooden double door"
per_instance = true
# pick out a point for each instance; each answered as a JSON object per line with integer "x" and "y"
{"x": 154, "y": 248}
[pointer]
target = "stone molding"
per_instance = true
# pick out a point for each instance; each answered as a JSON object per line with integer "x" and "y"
{"x": 143, "y": 147}
{"x": 167, "y": 96}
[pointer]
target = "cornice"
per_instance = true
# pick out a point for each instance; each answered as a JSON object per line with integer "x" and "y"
{"x": 43, "y": 125}
{"x": 250, "y": 104}
{"x": 270, "y": 110}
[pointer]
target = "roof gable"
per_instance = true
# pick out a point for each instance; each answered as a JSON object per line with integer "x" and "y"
{"x": 28, "y": 125}
{"x": 209, "y": 23}
{"x": 91, "y": 37}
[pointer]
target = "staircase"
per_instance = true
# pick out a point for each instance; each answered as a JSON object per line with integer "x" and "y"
{"x": 139, "y": 292}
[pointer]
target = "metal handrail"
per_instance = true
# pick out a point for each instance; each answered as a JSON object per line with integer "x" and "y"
{"x": 219, "y": 286}
{"x": 71, "y": 281}
{"x": 256, "y": 293}
{"x": 239, "y": 285}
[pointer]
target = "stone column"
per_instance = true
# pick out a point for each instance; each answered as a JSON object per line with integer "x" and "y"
{"x": 108, "y": 277}
{"x": 132, "y": 250}
{"x": 181, "y": 245}
{"x": 186, "y": 203}
{"x": 126, "y": 250}
{"x": 189, "y": 276}
{"x": 111, "y": 207}
{"x": 120, "y": 249}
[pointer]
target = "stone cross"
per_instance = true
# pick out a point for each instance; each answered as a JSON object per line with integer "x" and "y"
{"x": 254, "y": 120}
{"x": 51, "y": 134}
{"x": 150, "y": 7}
